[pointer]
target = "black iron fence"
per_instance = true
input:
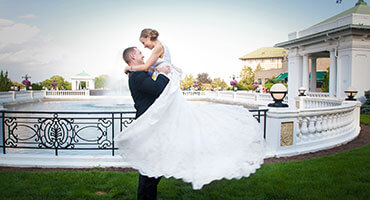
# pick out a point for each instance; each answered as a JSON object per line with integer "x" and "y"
{"x": 69, "y": 130}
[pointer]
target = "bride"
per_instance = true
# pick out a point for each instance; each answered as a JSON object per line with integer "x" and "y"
{"x": 195, "y": 142}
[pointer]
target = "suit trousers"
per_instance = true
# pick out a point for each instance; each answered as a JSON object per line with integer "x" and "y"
{"x": 147, "y": 188}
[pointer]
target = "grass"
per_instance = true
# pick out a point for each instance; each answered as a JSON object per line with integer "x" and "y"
{"x": 342, "y": 176}
{"x": 365, "y": 119}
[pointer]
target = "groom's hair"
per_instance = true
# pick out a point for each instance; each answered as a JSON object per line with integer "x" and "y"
{"x": 126, "y": 54}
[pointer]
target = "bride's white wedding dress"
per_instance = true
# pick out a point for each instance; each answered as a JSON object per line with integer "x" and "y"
{"x": 196, "y": 142}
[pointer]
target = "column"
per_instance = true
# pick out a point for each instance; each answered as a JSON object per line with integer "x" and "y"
{"x": 92, "y": 84}
{"x": 313, "y": 75}
{"x": 294, "y": 75}
{"x": 305, "y": 72}
{"x": 333, "y": 74}
{"x": 73, "y": 85}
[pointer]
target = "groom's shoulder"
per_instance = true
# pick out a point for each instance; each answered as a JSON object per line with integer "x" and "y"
{"x": 137, "y": 73}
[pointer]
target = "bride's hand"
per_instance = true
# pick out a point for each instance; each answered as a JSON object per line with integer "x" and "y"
{"x": 127, "y": 69}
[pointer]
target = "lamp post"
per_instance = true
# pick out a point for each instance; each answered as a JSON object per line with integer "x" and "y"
{"x": 301, "y": 91}
{"x": 278, "y": 92}
{"x": 351, "y": 93}
{"x": 234, "y": 82}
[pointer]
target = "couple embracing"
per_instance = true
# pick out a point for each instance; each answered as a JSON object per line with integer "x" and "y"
{"x": 198, "y": 143}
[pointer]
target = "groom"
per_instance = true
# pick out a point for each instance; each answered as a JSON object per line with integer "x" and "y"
{"x": 144, "y": 90}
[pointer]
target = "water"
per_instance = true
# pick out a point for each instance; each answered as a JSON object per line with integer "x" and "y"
{"x": 106, "y": 105}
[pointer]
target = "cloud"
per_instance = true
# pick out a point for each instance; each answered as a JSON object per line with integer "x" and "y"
{"x": 5, "y": 22}
{"x": 28, "y": 16}
{"x": 24, "y": 49}
{"x": 16, "y": 33}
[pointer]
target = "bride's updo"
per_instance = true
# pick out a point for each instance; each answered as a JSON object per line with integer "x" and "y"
{"x": 153, "y": 34}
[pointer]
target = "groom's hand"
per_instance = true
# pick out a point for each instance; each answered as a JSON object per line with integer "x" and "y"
{"x": 165, "y": 69}
{"x": 127, "y": 70}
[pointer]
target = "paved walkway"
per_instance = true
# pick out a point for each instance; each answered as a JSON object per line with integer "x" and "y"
{"x": 362, "y": 140}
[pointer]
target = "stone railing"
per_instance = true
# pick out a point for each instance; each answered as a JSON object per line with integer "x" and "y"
{"x": 297, "y": 131}
{"x": 230, "y": 97}
{"x": 303, "y": 102}
{"x": 20, "y": 96}
{"x": 318, "y": 94}
{"x": 67, "y": 93}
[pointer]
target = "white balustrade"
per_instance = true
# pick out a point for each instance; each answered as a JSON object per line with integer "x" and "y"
{"x": 325, "y": 121}
{"x": 20, "y": 96}
{"x": 318, "y": 94}
{"x": 315, "y": 128}
{"x": 62, "y": 93}
{"x": 317, "y": 102}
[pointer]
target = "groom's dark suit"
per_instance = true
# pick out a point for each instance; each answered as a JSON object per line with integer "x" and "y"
{"x": 144, "y": 91}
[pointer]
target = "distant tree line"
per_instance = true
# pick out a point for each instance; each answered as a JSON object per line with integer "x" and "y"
{"x": 5, "y": 82}
{"x": 203, "y": 82}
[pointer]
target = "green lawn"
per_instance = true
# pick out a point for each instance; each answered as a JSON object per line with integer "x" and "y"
{"x": 342, "y": 176}
{"x": 365, "y": 119}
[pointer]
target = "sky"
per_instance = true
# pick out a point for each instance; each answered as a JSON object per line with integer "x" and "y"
{"x": 43, "y": 38}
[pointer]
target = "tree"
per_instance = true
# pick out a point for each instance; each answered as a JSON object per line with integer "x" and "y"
{"x": 365, "y": 108}
{"x": 101, "y": 81}
{"x": 206, "y": 86}
{"x": 203, "y": 78}
{"x": 5, "y": 82}
{"x": 219, "y": 83}
{"x": 36, "y": 86}
{"x": 247, "y": 79}
{"x": 59, "y": 80}
{"x": 258, "y": 68}
{"x": 269, "y": 82}
{"x": 188, "y": 81}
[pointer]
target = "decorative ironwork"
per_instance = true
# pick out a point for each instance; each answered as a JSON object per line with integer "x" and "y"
{"x": 127, "y": 122}
{"x": 68, "y": 130}
{"x": 260, "y": 113}
{"x": 61, "y": 130}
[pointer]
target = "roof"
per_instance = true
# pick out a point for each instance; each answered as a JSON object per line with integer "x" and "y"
{"x": 319, "y": 76}
{"x": 320, "y": 34}
{"x": 361, "y": 7}
{"x": 266, "y": 52}
{"x": 83, "y": 74}
{"x": 281, "y": 76}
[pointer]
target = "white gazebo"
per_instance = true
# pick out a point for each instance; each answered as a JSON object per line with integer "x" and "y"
{"x": 82, "y": 77}
{"x": 345, "y": 39}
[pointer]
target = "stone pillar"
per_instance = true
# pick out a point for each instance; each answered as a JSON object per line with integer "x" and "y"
{"x": 281, "y": 131}
{"x": 92, "y": 84}
{"x": 294, "y": 75}
{"x": 333, "y": 74}
{"x": 305, "y": 72}
{"x": 313, "y": 75}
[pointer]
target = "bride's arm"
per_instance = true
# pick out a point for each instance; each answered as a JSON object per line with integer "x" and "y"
{"x": 157, "y": 51}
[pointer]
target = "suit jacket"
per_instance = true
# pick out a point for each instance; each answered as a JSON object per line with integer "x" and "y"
{"x": 144, "y": 90}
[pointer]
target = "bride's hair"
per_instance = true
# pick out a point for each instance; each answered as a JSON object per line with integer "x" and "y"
{"x": 153, "y": 34}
